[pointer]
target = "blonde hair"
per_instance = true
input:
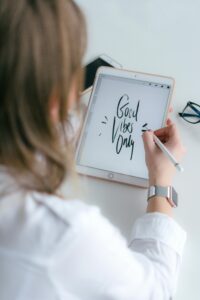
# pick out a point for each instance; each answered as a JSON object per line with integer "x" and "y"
{"x": 41, "y": 48}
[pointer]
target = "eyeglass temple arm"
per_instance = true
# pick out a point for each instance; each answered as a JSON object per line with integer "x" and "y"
{"x": 194, "y": 109}
{"x": 188, "y": 115}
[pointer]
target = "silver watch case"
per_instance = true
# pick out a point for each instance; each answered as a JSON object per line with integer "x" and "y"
{"x": 167, "y": 192}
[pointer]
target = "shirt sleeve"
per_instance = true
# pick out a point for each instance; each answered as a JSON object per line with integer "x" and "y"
{"x": 161, "y": 240}
{"x": 95, "y": 262}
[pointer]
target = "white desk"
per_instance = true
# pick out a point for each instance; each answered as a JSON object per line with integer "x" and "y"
{"x": 160, "y": 37}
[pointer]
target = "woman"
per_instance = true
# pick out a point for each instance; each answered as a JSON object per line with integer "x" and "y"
{"x": 51, "y": 248}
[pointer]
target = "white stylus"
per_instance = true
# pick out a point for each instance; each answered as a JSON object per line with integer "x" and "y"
{"x": 167, "y": 153}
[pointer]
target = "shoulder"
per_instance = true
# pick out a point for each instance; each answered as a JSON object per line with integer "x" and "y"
{"x": 77, "y": 220}
{"x": 69, "y": 211}
{"x": 34, "y": 224}
{"x": 41, "y": 225}
{"x": 83, "y": 224}
{"x": 76, "y": 214}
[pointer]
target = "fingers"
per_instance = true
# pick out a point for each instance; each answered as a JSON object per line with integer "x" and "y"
{"x": 167, "y": 131}
{"x": 169, "y": 111}
{"x": 168, "y": 122}
{"x": 168, "y": 135}
{"x": 162, "y": 132}
{"x": 173, "y": 133}
{"x": 148, "y": 141}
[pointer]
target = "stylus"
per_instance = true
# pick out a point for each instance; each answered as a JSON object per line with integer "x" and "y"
{"x": 167, "y": 153}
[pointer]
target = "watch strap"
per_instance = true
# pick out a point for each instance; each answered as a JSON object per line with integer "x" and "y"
{"x": 167, "y": 192}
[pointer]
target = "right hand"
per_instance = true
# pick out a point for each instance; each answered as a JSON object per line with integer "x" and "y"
{"x": 161, "y": 170}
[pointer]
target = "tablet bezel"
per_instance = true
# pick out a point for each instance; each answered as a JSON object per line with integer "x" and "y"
{"x": 104, "y": 174}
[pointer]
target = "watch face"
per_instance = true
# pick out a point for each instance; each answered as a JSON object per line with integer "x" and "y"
{"x": 174, "y": 197}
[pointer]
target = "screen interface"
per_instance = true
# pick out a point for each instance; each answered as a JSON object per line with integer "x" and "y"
{"x": 120, "y": 110}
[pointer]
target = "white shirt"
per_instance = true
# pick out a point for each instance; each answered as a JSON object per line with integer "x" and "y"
{"x": 54, "y": 249}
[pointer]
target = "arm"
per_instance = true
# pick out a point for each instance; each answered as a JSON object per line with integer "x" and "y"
{"x": 157, "y": 230}
{"x": 94, "y": 262}
{"x": 161, "y": 170}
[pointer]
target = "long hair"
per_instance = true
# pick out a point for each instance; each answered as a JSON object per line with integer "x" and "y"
{"x": 41, "y": 48}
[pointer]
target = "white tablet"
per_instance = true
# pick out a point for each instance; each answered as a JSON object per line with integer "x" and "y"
{"x": 122, "y": 104}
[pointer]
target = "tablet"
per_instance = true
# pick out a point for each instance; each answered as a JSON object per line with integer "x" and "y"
{"x": 122, "y": 105}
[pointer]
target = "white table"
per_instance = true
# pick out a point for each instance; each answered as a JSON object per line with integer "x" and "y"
{"x": 160, "y": 37}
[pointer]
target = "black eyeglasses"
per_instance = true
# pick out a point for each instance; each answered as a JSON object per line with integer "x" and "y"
{"x": 191, "y": 113}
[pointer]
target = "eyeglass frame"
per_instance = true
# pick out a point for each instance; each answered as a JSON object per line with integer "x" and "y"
{"x": 191, "y": 105}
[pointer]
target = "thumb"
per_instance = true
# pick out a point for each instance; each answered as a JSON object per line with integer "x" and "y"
{"x": 149, "y": 144}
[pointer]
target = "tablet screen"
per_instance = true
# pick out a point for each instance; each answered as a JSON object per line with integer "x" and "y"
{"x": 121, "y": 108}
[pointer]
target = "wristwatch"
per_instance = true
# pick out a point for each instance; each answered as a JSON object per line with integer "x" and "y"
{"x": 167, "y": 192}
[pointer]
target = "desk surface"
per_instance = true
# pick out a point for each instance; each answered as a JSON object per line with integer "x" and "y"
{"x": 160, "y": 37}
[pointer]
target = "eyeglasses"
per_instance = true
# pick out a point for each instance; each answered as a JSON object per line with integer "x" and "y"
{"x": 191, "y": 113}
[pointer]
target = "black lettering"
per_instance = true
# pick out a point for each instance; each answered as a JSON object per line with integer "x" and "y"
{"x": 114, "y": 131}
{"x": 120, "y": 108}
{"x": 123, "y": 129}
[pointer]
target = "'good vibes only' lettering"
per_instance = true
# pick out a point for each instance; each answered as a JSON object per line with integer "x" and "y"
{"x": 123, "y": 125}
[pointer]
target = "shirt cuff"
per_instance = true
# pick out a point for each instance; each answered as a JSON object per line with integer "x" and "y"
{"x": 160, "y": 227}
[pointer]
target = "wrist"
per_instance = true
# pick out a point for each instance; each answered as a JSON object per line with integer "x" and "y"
{"x": 162, "y": 199}
{"x": 160, "y": 180}
{"x": 159, "y": 204}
